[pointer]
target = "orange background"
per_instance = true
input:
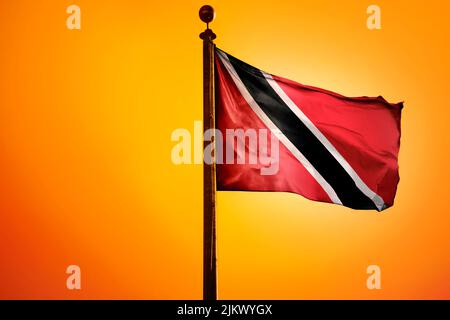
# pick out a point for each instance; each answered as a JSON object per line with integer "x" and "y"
{"x": 86, "y": 176}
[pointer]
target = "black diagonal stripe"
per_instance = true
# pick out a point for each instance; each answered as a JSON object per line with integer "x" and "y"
{"x": 303, "y": 139}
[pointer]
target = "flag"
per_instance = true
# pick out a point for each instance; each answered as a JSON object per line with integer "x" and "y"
{"x": 331, "y": 148}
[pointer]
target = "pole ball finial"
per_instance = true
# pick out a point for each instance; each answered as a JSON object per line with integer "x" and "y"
{"x": 207, "y": 14}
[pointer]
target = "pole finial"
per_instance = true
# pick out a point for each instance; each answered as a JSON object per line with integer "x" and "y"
{"x": 207, "y": 15}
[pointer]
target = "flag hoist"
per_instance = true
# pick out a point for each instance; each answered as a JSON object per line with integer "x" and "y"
{"x": 207, "y": 14}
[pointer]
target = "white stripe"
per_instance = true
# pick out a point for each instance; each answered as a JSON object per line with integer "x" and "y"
{"x": 377, "y": 200}
{"x": 274, "y": 129}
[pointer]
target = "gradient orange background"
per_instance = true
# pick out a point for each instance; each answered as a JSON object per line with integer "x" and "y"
{"x": 86, "y": 176}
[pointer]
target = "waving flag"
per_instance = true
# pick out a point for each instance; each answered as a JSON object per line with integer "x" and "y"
{"x": 332, "y": 148}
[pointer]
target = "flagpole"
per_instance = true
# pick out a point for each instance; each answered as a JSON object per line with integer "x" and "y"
{"x": 207, "y": 14}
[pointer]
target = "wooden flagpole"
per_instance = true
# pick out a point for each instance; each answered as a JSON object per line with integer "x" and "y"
{"x": 207, "y": 14}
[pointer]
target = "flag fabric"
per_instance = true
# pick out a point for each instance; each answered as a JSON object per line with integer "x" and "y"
{"x": 332, "y": 148}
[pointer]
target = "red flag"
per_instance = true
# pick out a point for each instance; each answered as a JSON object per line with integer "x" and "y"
{"x": 330, "y": 148}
